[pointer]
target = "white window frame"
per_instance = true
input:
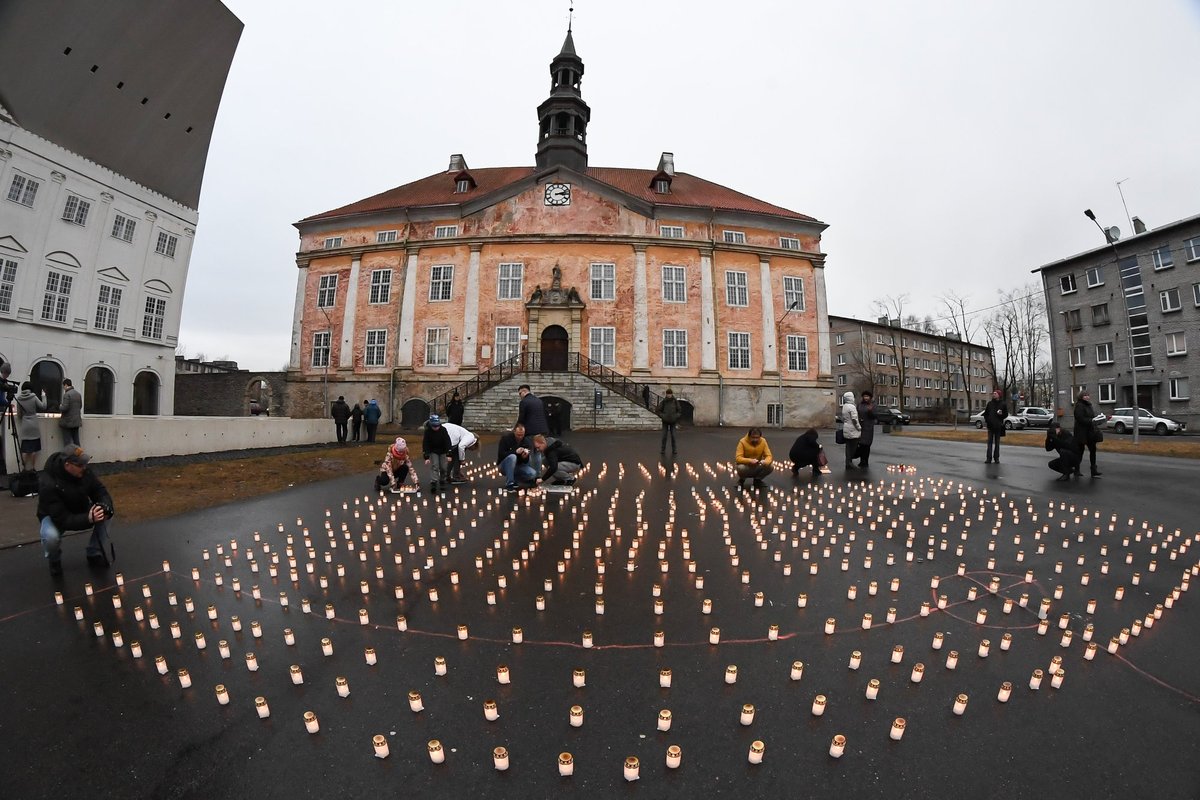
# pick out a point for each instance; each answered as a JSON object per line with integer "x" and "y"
{"x": 738, "y": 350}
{"x": 789, "y": 243}
{"x": 733, "y": 237}
{"x": 56, "y": 300}
{"x": 797, "y": 352}
{"x": 841, "y": 380}
{"x": 674, "y": 348}
{"x": 1176, "y": 342}
{"x": 76, "y": 210}
{"x": 841, "y": 359}
{"x": 437, "y": 346}
{"x": 8, "y": 283}
{"x": 1193, "y": 248}
{"x": 123, "y": 228}
{"x": 839, "y": 338}
{"x": 441, "y": 283}
{"x": 462, "y": 186}
{"x": 381, "y": 287}
{"x": 166, "y": 244}
{"x": 881, "y": 359}
{"x": 662, "y": 186}
{"x": 670, "y": 231}
{"x": 108, "y": 307}
{"x": 386, "y": 237}
{"x": 674, "y": 284}
{"x": 1065, "y": 281}
{"x": 445, "y": 231}
{"x": 1106, "y": 393}
{"x": 1075, "y": 356}
{"x": 332, "y": 242}
{"x": 1196, "y": 293}
{"x": 507, "y": 343}
{"x": 23, "y": 190}
{"x": 1104, "y": 353}
{"x": 327, "y": 291}
{"x": 375, "y": 348}
{"x": 321, "y": 346}
{"x": 1179, "y": 388}
{"x": 510, "y": 281}
{"x": 737, "y": 288}
{"x": 1164, "y": 300}
{"x": 793, "y": 292}
{"x": 1095, "y": 277}
{"x": 603, "y": 281}
{"x": 774, "y": 414}
{"x": 602, "y": 345}
{"x": 154, "y": 317}
{"x": 1162, "y": 258}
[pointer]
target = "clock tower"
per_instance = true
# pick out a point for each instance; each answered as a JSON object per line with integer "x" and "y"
{"x": 563, "y": 117}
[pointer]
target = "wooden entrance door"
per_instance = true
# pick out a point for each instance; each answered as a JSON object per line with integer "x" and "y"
{"x": 554, "y": 349}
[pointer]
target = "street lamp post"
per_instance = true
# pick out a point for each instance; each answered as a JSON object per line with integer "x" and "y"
{"x": 779, "y": 358}
{"x": 1137, "y": 411}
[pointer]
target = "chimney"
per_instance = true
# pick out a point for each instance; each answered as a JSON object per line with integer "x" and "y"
{"x": 457, "y": 163}
{"x": 882, "y": 321}
{"x": 666, "y": 164}
{"x": 1139, "y": 226}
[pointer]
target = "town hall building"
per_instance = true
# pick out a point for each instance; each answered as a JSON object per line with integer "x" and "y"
{"x": 640, "y": 279}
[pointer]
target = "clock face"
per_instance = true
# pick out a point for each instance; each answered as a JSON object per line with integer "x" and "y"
{"x": 558, "y": 194}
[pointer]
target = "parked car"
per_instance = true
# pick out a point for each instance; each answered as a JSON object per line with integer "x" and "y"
{"x": 1035, "y": 416}
{"x": 1121, "y": 421}
{"x": 892, "y": 416}
{"x": 256, "y": 408}
{"x": 1011, "y": 423}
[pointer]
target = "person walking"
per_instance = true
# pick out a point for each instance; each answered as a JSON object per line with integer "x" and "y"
{"x": 806, "y": 452}
{"x": 70, "y": 413}
{"x": 752, "y": 459}
{"x": 72, "y": 498}
{"x": 341, "y": 415}
{"x": 1087, "y": 435}
{"x": 29, "y": 430}
{"x": 668, "y": 410}
{"x": 994, "y": 414}
{"x": 866, "y": 418}
{"x": 455, "y": 409}
{"x": 851, "y": 428}
{"x": 356, "y": 415}
{"x": 435, "y": 449}
{"x": 371, "y": 415}
{"x": 1069, "y": 454}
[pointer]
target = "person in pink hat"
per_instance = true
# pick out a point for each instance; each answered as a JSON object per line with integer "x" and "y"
{"x": 397, "y": 467}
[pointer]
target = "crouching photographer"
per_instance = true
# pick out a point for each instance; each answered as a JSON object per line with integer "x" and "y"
{"x": 72, "y": 498}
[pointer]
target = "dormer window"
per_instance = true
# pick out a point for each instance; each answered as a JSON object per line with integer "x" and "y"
{"x": 462, "y": 185}
{"x": 662, "y": 186}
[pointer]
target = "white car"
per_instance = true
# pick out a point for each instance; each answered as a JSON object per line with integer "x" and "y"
{"x": 1011, "y": 423}
{"x": 1122, "y": 421}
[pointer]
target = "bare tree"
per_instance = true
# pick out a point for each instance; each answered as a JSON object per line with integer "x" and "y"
{"x": 958, "y": 360}
{"x": 892, "y": 308}
{"x": 1017, "y": 331}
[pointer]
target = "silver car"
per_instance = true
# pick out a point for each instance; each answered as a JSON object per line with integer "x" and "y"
{"x": 1122, "y": 421}
{"x": 1036, "y": 416}
{"x": 1012, "y": 422}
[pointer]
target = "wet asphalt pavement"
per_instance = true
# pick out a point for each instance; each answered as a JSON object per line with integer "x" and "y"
{"x": 81, "y": 716}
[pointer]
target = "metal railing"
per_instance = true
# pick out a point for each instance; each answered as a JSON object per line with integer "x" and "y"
{"x": 639, "y": 393}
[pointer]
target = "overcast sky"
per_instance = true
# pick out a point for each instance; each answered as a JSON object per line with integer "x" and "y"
{"x": 948, "y": 145}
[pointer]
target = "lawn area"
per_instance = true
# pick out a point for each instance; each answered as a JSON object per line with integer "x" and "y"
{"x": 1150, "y": 445}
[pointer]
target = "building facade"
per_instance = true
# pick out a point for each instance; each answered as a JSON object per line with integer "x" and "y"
{"x": 926, "y": 374}
{"x": 1143, "y": 290}
{"x": 662, "y": 276}
{"x": 106, "y": 112}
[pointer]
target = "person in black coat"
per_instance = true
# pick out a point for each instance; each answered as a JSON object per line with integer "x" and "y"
{"x": 994, "y": 414}
{"x": 72, "y": 498}
{"x": 435, "y": 449}
{"x": 356, "y": 415}
{"x": 561, "y": 461}
{"x": 806, "y": 452}
{"x": 512, "y": 458}
{"x": 1086, "y": 433}
{"x": 341, "y": 415}
{"x": 455, "y": 409}
{"x": 866, "y": 418}
{"x": 1069, "y": 453}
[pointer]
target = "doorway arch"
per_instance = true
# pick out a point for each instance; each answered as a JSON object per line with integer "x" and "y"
{"x": 413, "y": 413}
{"x": 554, "y": 348}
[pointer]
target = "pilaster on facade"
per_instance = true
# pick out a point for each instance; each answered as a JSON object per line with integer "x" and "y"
{"x": 470, "y": 336}
{"x": 349, "y": 314}
{"x": 708, "y": 315}
{"x": 298, "y": 316}
{"x": 641, "y": 319}
{"x": 408, "y": 309}
{"x": 770, "y": 333}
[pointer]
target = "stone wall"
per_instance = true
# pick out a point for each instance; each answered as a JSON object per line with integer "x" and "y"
{"x": 229, "y": 394}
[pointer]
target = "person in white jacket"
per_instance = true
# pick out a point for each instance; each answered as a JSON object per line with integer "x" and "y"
{"x": 851, "y": 428}
{"x": 461, "y": 440}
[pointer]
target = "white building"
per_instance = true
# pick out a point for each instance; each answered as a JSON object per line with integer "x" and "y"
{"x": 106, "y": 113}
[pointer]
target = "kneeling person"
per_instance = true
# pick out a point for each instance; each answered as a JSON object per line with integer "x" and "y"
{"x": 560, "y": 462}
{"x": 72, "y": 498}
{"x": 397, "y": 468}
{"x": 512, "y": 458}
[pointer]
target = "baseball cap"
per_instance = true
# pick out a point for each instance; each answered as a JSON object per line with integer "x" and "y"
{"x": 74, "y": 454}
{"x": 434, "y": 420}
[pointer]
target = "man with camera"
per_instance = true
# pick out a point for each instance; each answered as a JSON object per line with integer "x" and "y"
{"x": 72, "y": 498}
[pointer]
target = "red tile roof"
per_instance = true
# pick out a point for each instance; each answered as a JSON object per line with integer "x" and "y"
{"x": 687, "y": 191}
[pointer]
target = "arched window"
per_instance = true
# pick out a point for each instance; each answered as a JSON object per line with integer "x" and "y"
{"x": 145, "y": 394}
{"x": 98, "y": 391}
{"x": 48, "y": 376}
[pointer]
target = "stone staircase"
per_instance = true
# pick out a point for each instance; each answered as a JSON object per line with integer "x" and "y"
{"x": 496, "y": 408}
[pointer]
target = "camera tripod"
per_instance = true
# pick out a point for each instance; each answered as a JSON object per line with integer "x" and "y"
{"x": 8, "y": 421}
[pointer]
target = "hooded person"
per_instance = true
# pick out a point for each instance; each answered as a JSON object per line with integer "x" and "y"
{"x": 1069, "y": 452}
{"x": 72, "y": 498}
{"x": 806, "y": 452}
{"x": 435, "y": 449}
{"x": 29, "y": 430}
{"x": 851, "y": 428}
{"x": 669, "y": 411}
{"x": 397, "y": 467}
{"x": 371, "y": 416}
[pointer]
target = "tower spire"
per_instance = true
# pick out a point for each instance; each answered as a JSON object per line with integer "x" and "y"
{"x": 563, "y": 117}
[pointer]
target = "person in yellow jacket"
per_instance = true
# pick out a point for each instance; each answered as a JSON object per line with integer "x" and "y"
{"x": 753, "y": 459}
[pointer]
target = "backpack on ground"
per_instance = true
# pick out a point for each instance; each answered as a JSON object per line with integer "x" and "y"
{"x": 23, "y": 483}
